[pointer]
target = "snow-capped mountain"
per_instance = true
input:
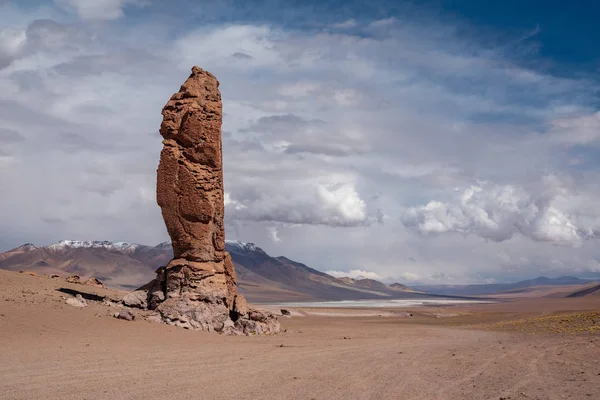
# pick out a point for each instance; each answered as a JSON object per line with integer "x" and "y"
{"x": 164, "y": 245}
{"x": 230, "y": 245}
{"x": 128, "y": 265}
{"x": 104, "y": 244}
{"x": 237, "y": 246}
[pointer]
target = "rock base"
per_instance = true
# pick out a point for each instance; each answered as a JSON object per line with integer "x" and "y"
{"x": 201, "y": 296}
{"x": 213, "y": 317}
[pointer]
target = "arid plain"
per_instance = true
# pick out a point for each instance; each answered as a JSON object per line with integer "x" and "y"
{"x": 520, "y": 348}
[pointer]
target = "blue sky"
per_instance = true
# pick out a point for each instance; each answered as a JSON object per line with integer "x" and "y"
{"x": 423, "y": 141}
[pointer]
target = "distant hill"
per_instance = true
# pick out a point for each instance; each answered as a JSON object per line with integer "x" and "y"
{"x": 484, "y": 289}
{"x": 260, "y": 276}
{"x": 404, "y": 288}
{"x": 592, "y": 290}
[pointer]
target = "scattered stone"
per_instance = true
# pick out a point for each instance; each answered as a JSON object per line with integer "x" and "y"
{"x": 154, "y": 318}
{"x": 110, "y": 303}
{"x": 126, "y": 315}
{"x": 94, "y": 282}
{"x": 286, "y": 313}
{"x": 28, "y": 273}
{"x": 73, "y": 279}
{"x": 54, "y": 276}
{"x": 197, "y": 289}
{"x": 77, "y": 301}
{"x": 240, "y": 306}
{"x": 138, "y": 299}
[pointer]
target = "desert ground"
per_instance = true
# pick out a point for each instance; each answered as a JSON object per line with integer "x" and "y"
{"x": 520, "y": 348}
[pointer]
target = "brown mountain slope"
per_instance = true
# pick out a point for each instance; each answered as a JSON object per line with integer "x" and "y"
{"x": 260, "y": 276}
{"x": 111, "y": 266}
{"x": 592, "y": 290}
{"x": 403, "y": 288}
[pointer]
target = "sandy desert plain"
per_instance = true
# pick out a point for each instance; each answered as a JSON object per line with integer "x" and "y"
{"x": 532, "y": 347}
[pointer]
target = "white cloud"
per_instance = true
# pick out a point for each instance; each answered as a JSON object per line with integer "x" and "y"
{"x": 229, "y": 202}
{"x": 354, "y": 274}
{"x": 579, "y": 130}
{"x": 217, "y": 45}
{"x": 410, "y": 276}
{"x": 298, "y": 89}
{"x": 11, "y": 44}
{"x": 344, "y": 202}
{"x": 97, "y": 9}
{"x": 346, "y": 97}
{"x": 347, "y": 24}
{"x": 498, "y": 212}
{"x": 335, "y": 203}
{"x": 273, "y": 234}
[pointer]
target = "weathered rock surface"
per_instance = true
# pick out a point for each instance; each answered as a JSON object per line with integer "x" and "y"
{"x": 73, "y": 279}
{"x": 138, "y": 299}
{"x": 125, "y": 315}
{"x": 77, "y": 301}
{"x": 197, "y": 289}
{"x": 94, "y": 282}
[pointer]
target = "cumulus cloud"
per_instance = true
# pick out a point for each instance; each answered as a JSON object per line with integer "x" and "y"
{"x": 498, "y": 212}
{"x": 334, "y": 204}
{"x": 230, "y": 203}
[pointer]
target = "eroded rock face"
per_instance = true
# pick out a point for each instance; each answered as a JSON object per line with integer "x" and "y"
{"x": 197, "y": 289}
{"x": 190, "y": 173}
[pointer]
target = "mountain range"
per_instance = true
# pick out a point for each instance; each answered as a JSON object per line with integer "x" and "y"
{"x": 491, "y": 288}
{"x": 260, "y": 276}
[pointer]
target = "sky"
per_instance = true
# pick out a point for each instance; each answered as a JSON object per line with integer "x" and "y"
{"x": 431, "y": 142}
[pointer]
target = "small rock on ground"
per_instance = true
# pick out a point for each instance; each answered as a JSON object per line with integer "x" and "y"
{"x": 77, "y": 301}
{"x": 125, "y": 314}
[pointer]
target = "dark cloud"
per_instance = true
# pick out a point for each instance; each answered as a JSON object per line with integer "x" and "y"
{"x": 47, "y": 34}
{"x": 54, "y": 221}
{"x": 242, "y": 56}
{"x": 8, "y": 136}
{"x": 70, "y": 141}
{"x": 340, "y": 151}
{"x": 281, "y": 124}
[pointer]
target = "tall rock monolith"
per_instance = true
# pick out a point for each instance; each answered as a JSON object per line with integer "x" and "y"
{"x": 197, "y": 289}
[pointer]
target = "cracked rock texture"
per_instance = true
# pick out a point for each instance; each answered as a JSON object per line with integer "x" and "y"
{"x": 197, "y": 289}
